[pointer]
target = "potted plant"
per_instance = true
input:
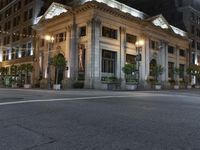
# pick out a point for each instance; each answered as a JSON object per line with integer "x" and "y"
{"x": 60, "y": 63}
{"x": 157, "y": 71}
{"x": 14, "y": 76}
{"x": 27, "y": 68}
{"x": 197, "y": 73}
{"x": 189, "y": 72}
{"x": 3, "y": 73}
{"x": 176, "y": 72}
{"x": 131, "y": 81}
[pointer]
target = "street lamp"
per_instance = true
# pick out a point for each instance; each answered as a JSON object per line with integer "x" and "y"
{"x": 50, "y": 40}
{"x": 139, "y": 45}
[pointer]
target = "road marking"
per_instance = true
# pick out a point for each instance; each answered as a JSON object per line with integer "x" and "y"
{"x": 61, "y": 99}
{"x": 90, "y": 98}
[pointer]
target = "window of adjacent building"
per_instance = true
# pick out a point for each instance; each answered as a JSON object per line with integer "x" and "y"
{"x": 16, "y": 21}
{"x": 29, "y": 49}
{"x": 182, "y": 52}
{"x": 17, "y": 6}
{"x": 170, "y": 49}
{"x": 24, "y": 32}
{"x": 6, "y": 40}
{"x": 108, "y": 61}
{"x": 198, "y": 32}
{"x": 198, "y": 45}
{"x": 180, "y": 3}
{"x": 27, "y": 2}
{"x": 23, "y": 51}
{"x": 154, "y": 45}
{"x": 130, "y": 59}
{"x": 192, "y": 29}
{"x": 170, "y": 70}
{"x": 192, "y": 16}
{"x": 13, "y": 54}
{"x": 8, "y": 12}
{"x": 193, "y": 43}
{"x": 17, "y": 53}
{"x": 182, "y": 70}
{"x": 4, "y": 55}
{"x": 29, "y": 30}
{"x": 25, "y": 15}
{"x": 30, "y": 13}
{"x": 83, "y": 31}
{"x": 109, "y": 32}
{"x": 131, "y": 38}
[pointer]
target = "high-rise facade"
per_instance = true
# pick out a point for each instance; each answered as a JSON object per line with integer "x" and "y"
{"x": 184, "y": 14}
{"x": 16, "y": 35}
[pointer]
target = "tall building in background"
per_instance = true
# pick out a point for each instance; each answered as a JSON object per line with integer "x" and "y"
{"x": 16, "y": 34}
{"x": 184, "y": 14}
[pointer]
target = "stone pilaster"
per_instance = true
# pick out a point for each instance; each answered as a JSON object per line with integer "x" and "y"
{"x": 177, "y": 61}
{"x": 93, "y": 54}
{"x": 122, "y": 55}
{"x": 163, "y": 48}
{"x": 73, "y": 52}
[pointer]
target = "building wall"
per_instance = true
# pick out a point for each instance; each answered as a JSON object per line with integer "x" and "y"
{"x": 21, "y": 15}
{"x": 94, "y": 43}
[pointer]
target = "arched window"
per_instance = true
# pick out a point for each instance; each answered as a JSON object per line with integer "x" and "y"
{"x": 152, "y": 64}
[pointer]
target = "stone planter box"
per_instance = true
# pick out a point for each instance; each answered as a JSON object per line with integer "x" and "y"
{"x": 56, "y": 86}
{"x": 176, "y": 87}
{"x": 197, "y": 86}
{"x": 113, "y": 86}
{"x": 14, "y": 85}
{"x": 27, "y": 86}
{"x": 158, "y": 87}
{"x": 131, "y": 87}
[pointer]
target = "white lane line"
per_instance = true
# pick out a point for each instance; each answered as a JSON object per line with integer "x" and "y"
{"x": 90, "y": 98}
{"x": 61, "y": 99}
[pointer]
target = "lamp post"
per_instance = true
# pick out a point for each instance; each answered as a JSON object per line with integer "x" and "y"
{"x": 139, "y": 45}
{"x": 50, "y": 40}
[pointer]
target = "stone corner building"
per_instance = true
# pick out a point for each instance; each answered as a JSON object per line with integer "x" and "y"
{"x": 98, "y": 39}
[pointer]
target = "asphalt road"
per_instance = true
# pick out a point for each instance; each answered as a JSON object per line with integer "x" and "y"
{"x": 99, "y": 120}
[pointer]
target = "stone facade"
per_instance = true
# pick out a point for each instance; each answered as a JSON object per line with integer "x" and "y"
{"x": 84, "y": 33}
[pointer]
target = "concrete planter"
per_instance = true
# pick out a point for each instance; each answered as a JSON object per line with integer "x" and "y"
{"x": 131, "y": 87}
{"x": 14, "y": 85}
{"x": 176, "y": 87}
{"x": 56, "y": 86}
{"x": 27, "y": 86}
{"x": 158, "y": 87}
{"x": 197, "y": 86}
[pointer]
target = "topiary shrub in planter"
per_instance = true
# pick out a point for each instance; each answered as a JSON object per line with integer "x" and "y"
{"x": 176, "y": 72}
{"x": 60, "y": 63}
{"x": 157, "y": 71}
{"x": 131, "y": 80}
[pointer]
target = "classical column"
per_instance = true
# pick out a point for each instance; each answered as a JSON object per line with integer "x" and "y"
{"x": 73, "y": 52}
{"x": 144, "y": 63}
{"x": 122, "y": 55}
{"x": 93, "y": 54}
{"x": 163, "y": 59}
{"x": 177, "y": 61}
